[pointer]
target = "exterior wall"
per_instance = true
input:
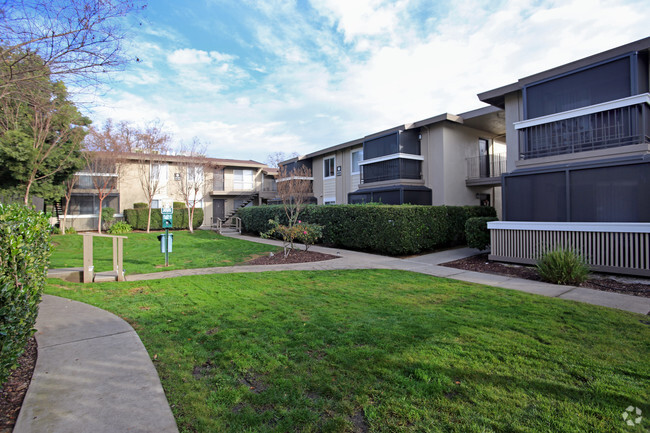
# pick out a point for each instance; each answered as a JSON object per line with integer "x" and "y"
{"x": 317, "y": 173}
{"x": 514, "y": 113}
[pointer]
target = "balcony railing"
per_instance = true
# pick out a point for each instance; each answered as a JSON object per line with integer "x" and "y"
{"x": 484, "y": 167}
{"x": 619, "y": 123}
{"x": 391, "y": 169}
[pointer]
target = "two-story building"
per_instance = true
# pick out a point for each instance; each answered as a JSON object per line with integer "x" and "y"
{"x": 224, "y": 185}
{"x": 444, "y": 160}
{"x": 578, "y": 152}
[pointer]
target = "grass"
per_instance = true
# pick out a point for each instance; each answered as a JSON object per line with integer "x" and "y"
{"x": 381, "y": 351}
{"x": 202, "y": 249}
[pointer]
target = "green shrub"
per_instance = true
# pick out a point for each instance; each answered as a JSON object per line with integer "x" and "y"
{"x": 120, "y": 228}
{"x": 71, "y": 231}
{"x": 140, "y": 205}
{"x": 563, "y": 266}
{"x": 386, "y": 229}
{"x": 179, "y": 205}
{"x": 24, "y": 255}
{"x": 137, "y": 218}
{"x": 308, "y": 234}
{"x": 56, "y": 230}
{"x": 107, "y": 216}
{"x": 477, "y": 233}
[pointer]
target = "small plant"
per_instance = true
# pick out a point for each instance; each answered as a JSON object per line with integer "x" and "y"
{"x": 287, "y": 233}
{"x": 71, "y": 231}
{"x": 107, "y": 216}
{"x": 308, "y": 234}
{"x": 56, "y": 230}
{"x": 563, "y": 266}
{"x": 120, "y": 228}
{"x": 477, "y": 233}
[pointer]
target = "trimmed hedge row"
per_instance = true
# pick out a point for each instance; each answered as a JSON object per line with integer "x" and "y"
{"x": 477, "y": 233}
{"x": 386, "y": 229}
{"x": 137, "y": 218}
{"x": 24, "y": 256}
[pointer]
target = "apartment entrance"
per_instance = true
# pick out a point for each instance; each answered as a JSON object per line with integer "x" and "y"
{"x": 218, "y": 209}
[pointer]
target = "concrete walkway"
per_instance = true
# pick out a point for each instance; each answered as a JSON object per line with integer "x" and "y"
{"x": 92, "y": 375}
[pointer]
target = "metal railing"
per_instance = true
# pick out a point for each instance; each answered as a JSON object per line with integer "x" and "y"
{"x": 219, "y": 224}
{"x": 483, "y": 167}
{"x": 610, "y": 247}
{"x": 616, "y": 127}
{"x": 390, "y": 170}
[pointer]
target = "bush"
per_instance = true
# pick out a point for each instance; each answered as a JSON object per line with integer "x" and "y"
{"x": 120, "y": 228}
{"x": 71, "y": 231}
{"x": 140, "y": 205}
{"x": 386, "y": 229}
{"x": 56, "y": 230}
{"x": 308, "y": 234}
{"x": 179, "y": 205}
{"x": 137, "y": 218}
{"x": 24, "y": 255}
{"x": 477, "y": 233}
{"x": 563, "y": 266}
{"x": 107, "y": 216}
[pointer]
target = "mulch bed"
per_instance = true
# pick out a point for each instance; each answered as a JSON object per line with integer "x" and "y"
{"x": 605, "y": 282}
{"x": 296, "y": 256}
{"x": 14, "y": 390}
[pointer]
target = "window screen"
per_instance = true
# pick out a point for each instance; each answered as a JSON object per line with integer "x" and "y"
{"x": 328, "y": 167}
{"x": 536, "y": 197}
{"x": 611, "y": 194}
{"x": 376, "y": 147}
{"x": 591, "y": 86}
{"x": 357, "y": 155}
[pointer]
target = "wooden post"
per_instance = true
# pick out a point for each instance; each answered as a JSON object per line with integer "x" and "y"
{"x": 120, "y": 255}
{"x": 88, "y": 259}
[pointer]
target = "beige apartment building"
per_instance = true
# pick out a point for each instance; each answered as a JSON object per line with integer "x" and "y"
{"x": 444, "y": 160}
{"x": 223, "y": 186}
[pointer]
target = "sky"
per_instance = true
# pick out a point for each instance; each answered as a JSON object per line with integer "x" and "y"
{"x": 250, "y": 78}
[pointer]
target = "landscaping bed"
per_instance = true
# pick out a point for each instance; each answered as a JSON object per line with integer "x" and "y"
{"x": 296, "y": 256}
{"x": 13, "y": 391}
{"x": 636, "y": 286}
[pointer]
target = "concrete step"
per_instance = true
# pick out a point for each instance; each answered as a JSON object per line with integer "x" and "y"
{"x": 103, "y": 277}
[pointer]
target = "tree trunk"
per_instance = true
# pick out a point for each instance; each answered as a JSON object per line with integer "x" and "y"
{"x": 190, "y": 215}
{"x": 26, "y": 198}
{"x": 65, "y": 215}
{"x": 99, "y": 216}
{"x": 149, "y": 218}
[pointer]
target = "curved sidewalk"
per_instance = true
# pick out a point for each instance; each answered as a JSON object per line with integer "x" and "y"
{"x": 93, "y": 374}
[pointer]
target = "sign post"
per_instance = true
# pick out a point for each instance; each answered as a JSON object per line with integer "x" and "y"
{"x": 167, "y": 212}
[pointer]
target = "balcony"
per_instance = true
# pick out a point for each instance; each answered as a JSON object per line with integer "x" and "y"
{"x": 485, "y": 170}
{"x": 391, "y": 169}
{"x": 623, "y": 122}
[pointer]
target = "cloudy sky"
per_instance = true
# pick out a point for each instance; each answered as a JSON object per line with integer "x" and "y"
{"x": 249, "y": 78}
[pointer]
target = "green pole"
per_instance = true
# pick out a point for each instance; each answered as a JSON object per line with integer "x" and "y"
{"x": 166, "y": 247}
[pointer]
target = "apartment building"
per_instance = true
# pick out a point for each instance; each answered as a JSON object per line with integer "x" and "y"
{"x": 224, "y": 186}
{"x": 578, "y": 140}
{"x": 444, "y": 160}
{"x": 578, "y": 162}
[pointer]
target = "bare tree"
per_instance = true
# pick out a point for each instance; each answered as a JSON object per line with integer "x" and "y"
{"x": 75, "y": 39}
{"x": 294, "y": 189}
{"x": 104, "y": 154}
{"x": 69, "y": 184}
{"x": 274, "y": 159}
{"x": 151, "y": 149}
{"x": 193, "y": 183}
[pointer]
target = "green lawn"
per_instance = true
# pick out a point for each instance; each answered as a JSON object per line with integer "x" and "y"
{"x": 380, "y": 351}
{"x": 142, "y": 255}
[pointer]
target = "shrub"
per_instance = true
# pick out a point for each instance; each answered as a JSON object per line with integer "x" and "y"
{"x": 477, "y": 233}
{"x": 308, "y": 234}
{"x": 56, "y": 230}
{"x": 71, "y": 231}
{"x": 179, "y": 205}
{"x": 24, "y": 255}
{"x": 137, "y": 218}
{"x": 563, "y": 266}
{"x": 107, "y": 216}
{"x": 386, "y": 229}
{"x": 120, "y": 228}
{"x": 140, "y": 206}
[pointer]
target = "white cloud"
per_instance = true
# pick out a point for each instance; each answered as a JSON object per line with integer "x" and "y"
{"x": 190, "y": 56}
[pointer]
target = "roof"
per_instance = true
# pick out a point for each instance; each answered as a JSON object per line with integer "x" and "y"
{"x": 496, "y": 96}
{"x": 209, "y": 160}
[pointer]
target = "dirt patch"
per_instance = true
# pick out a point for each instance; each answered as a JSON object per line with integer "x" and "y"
{"x": 359, "y": 422}
{"x": 296, "y": 256}
{"x": 14, "y": 390}
{"x": 254, "y": 382}
{"x": 636, "y": 286}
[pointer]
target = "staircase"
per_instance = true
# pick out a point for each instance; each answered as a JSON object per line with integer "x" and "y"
{"x": 247, "y": 199}
{"x": 58, "y": 211}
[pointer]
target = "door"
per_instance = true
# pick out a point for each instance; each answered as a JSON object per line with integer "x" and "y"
{"x": 218, "y": 210}
{"x": 484, "y": 158}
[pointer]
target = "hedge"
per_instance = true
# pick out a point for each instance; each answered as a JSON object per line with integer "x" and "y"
{"x": 385, "y": 229}
{"x": 477, "y": 233}
{"x": 137, "y": 218}
{"x": 24, "y": 256}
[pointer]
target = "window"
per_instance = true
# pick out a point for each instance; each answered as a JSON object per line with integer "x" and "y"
{"x": 194, "y": 174}
{"x": 198, "y": 205}
{"x": 242, "y": 180}
{"x": 329, "y": 167}
{"x": 357, "y": 155}
{"x": 155, "y": 204}
{"x": 159, "y": 173}
{"x": 329, "y": 200}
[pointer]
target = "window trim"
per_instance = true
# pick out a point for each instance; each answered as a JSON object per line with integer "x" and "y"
{"x": 333, "y": 158}
{"x": 392, "y": 156}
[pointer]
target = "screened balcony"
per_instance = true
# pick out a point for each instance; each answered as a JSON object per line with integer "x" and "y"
{"x": 485, "y": 169}
{"x": 391, "y": 169}
{"x": 612, "y": 124}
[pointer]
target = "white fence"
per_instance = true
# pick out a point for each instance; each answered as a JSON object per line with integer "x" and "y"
{"x": 610, "y": 247}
